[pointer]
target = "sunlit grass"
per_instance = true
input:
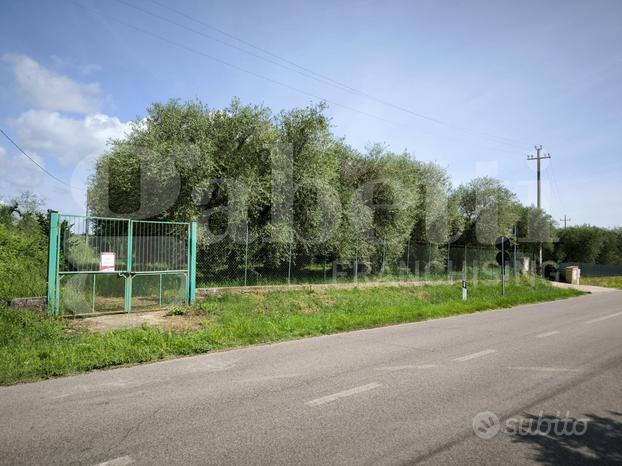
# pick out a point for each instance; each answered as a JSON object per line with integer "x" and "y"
{"x": 610, "y": 282}
{"x": 34, "y": 347}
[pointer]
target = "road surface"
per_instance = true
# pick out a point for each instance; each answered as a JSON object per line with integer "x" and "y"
{"x": 404, "y": 394}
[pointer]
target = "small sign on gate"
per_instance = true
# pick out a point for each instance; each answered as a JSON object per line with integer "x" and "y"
{"x": 107, "y": 261}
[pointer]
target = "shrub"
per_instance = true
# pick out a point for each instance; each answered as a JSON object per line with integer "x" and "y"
{"x": 23, "y": 263}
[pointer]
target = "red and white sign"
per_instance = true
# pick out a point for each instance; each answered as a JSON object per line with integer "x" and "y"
{"x": 106, "y": 261}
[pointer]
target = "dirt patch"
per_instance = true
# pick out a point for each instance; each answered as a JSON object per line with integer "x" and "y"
{"x": 157, "y": 319}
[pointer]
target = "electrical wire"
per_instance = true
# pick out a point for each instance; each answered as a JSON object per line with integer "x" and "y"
{"x": 250, "y": 72}
{"x": 43, "y": 169}
{"x": 551, "y": 175}
{"x": 308, "y": 73}
{"x": 237, "y": 67}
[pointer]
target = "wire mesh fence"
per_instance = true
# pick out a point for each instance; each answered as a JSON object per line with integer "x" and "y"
{"x": 253, "y": 263}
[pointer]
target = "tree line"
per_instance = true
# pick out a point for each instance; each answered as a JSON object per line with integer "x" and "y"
{"x": 282, "y": 179}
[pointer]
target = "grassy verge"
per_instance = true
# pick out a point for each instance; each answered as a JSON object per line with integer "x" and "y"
{"x": 34, "y": 347}
{"x": 610, "y": 282}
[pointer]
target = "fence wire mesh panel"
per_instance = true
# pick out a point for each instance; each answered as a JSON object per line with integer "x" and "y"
{"x": 159, "y": 246}
{"x": 84, "y": 239}
{"x": 106, "y": 264}
{"x": 158, "y": 290}
{"x": 251, "y": 261}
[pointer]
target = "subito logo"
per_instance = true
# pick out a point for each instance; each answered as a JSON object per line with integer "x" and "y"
{"x": 486, "y": 425}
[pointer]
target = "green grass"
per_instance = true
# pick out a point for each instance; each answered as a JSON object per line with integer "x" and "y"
{"x": 23, "y": 263}
{"x": 34, "y": 347}
{"x": 610, "y": 282}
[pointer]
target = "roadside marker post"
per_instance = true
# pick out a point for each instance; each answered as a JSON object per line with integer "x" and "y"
{"x": 503, "y": 244}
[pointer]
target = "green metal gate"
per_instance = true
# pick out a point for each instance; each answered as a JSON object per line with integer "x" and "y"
{"x": 98, "y": 264}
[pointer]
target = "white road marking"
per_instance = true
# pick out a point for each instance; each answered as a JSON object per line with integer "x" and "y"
{"x": 336, "y": 396}
{"x": 120, "y": 461}
{"x": 475, "y": 355}
{"x": 544, "y": 369}
{"x": 547, "y": 334}
{"x": 400, "y": 368}
{"x": 270, "y": 377}
{"x": 599, "y": 319}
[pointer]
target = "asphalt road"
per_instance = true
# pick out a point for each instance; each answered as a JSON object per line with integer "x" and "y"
{"x": 394, "y": 395}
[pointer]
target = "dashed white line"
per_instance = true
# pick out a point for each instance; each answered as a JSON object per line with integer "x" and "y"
{"x": 600, "y": 319}
{"x": 547, "y": 334}
{"x": 120, "y": 461}
{"x": 345, "y": 393}
{"x": 408, "y": 366}
{"x": 475, "y": 355}
{"x": 544, "y": 369}
{"x": 268, "y": 378}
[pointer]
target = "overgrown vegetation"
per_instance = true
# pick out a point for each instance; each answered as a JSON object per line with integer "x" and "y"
{"x": 34, "y": 347}
{"x": 23, "y": 248}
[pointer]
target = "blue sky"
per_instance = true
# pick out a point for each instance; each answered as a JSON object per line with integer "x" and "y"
{"x": 496, "y": 77}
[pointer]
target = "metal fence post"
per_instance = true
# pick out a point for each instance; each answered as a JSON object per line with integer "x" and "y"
{"x": 448, "y": 260}
{"x": 93, "y": 292}
{"x": 289, "y": 266}
{"x": 128, "y": 278}
{"x": 384, "y": 252}
{"x": 246, "y": 258}
{"x": 325, "y": 268}
{"x": 429, "y": 254}
{"x": 408, "y": 257}
{"x": 192, "y": 264}
{"x": 53, "y": 243}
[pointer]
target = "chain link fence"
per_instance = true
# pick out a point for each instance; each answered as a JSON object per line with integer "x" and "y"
{"x": 256, "y": 263}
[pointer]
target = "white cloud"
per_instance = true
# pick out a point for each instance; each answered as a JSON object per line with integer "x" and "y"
{"x": 47, "y": 90}
{"x": 84, "y": 68}
{"x": 69, "y": 140}
{"x": 66, "y": 144}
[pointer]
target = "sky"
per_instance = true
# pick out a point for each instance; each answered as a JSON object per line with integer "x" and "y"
{"x": 471, "y": 85}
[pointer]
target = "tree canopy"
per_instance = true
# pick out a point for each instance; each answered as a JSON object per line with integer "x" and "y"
{"x": 285, "y": 179}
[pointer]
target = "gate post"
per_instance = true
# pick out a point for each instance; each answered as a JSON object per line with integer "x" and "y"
{"x": 53, "y": 244}
{"x": 192, "y": 264}
{"x": 128, "y": 279}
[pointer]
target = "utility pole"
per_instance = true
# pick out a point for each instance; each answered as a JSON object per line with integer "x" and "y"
{"x": 538, "y": 157}
{"x": 565, "y": 220}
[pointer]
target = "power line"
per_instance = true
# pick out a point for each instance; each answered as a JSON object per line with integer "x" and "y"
{"x": 249, "y": 44}
{"x": 308, "y": 73}
{"x": 551, "y": 173}
{"x": 500, "y": 139}
{"x": 301, "y": 70}
{"x": 237, "y": 67}
{"x": 43, "y": 169}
